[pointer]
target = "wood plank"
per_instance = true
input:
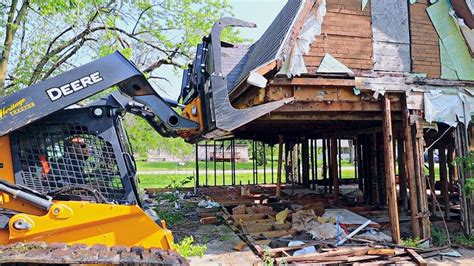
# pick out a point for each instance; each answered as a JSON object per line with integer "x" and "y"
{"x": 240, "y": 246}
{"x": 381, "y": 251}
{"x": 272, "y": 234}
{"x": 313, "y": 82}
{"x": 391, "y": 186}
{"x": 419, "y": 259}
{"x": 247, "y": 217}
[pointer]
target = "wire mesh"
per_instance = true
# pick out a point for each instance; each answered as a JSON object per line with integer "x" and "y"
{"x": 55, "y": 156}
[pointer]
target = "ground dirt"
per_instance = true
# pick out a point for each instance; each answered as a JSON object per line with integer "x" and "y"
{"x": 220, "y": 239}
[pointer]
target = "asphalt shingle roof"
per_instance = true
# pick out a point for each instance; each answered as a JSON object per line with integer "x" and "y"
{"x": 266, "y": 48}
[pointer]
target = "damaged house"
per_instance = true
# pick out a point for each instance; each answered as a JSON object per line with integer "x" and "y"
{"x": 393, "y": 77}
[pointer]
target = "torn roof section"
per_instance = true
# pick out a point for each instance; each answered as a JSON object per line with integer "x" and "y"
{"x": 267, "y": 48}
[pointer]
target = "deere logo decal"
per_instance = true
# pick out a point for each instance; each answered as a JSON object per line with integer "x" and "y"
{"x": 16, "y": 107}
{"x": 57, "y": 93}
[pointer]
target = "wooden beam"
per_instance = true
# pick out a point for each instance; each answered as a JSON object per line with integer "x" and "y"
{"x": 305, "y": 162}
{"x": 280, "y": 162}
{"x": 313, "y": 82}
{"x": 390, "y": 172}
{"x": 335, "y": 106}
{"x": 410, "y": 166}
{"x": 334, "y": 169}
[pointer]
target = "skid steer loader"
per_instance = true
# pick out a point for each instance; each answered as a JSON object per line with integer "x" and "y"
{"x": 68, "y": 180}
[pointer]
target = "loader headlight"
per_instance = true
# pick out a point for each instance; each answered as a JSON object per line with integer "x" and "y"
{"x": 97, "y": 112}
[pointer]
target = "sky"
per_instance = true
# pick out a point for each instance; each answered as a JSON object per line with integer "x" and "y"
{"x": 261, "y": 12}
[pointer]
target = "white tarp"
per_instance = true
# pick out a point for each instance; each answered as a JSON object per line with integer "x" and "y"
{"x": 447, "y": 108}
{"x": 294, "y": 64}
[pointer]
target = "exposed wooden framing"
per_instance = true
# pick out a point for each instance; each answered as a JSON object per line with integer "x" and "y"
{"x": 358, "y": 161}
{"x": 305, "y": 162}
{"x": 330, "y": 167}
{"x": 366, "y": 168}
{"x": 462, "y": 146}
{"x": 324, "y": 170}
{"x": 264, "y": 164}
{"x": 390, "y": 173}
{"x": 334, "y": 169}
{"x": 311, "y": 148}
{"x": 451, "y": 169}
{"x": 334, "y": 106}
{"x": 339, "y": 158}
{"x": 402, "y": 174}
{"x": 280, "y": 162}
{"x": 431, "y": 169}
{"x": 325, "y": 116}
{"x": 313, "y": 82}
{"x": 374, "y": 170}
{"x": 443, "y": 175}
{"x": 410, "y": 166}
{"x": 421, "y": 179}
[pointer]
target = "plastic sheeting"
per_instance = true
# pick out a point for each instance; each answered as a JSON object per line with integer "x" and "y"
{"x": 447, "y": 108}
{"x": 450, "y": 35}
{"x": 294, "y": 64}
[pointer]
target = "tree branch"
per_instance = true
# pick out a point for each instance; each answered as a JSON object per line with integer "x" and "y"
{"x": 140, "y": 16}
{"x": 11, "y": 27}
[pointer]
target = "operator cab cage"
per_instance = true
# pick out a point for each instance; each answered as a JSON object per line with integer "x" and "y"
{"x": 83, "y": 153}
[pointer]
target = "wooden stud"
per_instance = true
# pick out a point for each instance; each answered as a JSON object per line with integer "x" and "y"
{"x": 421, "y": 179}
{"x": 390, "y": 173}
{"x": 324, "y": 170}
{"x": 410, "y": 166}
{"x": 280, "y": 162}
{"x": 305, "y": 162}
{"x": 334, "y": 169}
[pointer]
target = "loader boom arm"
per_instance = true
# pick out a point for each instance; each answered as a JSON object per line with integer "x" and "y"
{"x": 49, "y": 96}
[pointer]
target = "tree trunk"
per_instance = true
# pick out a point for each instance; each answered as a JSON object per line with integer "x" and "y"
{"x": 10, "y": 30}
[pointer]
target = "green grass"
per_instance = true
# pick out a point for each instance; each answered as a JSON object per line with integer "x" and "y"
{"x": 164, "y": 180}
{"x": 156, "y": 166}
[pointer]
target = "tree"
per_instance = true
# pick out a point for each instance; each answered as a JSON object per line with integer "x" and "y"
{"x": 43, "y": 38}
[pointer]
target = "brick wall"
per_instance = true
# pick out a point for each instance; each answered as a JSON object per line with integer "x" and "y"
{"x": 346, "y": 35}
{"x": 424, "y": 41}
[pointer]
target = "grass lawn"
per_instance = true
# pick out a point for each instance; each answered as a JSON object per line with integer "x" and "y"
{"x": 164, "y": 180}
{"x": 156, "y": 166}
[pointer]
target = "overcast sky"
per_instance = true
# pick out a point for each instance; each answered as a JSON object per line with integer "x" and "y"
{"x": 261, "y": 12}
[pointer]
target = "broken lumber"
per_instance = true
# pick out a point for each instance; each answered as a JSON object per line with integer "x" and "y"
{"x": 209, "y": 220}
{"x": 272, "y": 234}
{"x": 240, "y": 246}
{"x": 415, "y": 256}
{"x": 247, "y": 217}
{"x": 381, "y": 251}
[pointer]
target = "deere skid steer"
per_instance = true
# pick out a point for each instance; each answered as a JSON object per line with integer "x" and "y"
{"x": 68, "y": 184}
